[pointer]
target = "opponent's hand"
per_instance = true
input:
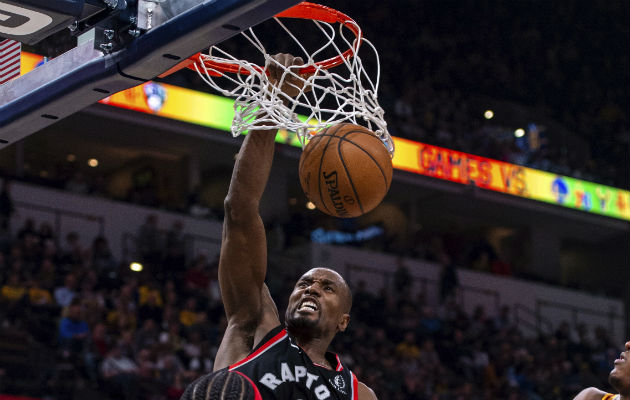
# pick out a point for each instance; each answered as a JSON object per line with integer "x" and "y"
{"x": 291, "y": 85}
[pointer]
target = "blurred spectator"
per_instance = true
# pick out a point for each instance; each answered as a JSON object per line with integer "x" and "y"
{"x": 102, "y": 259}
{"x": 72, "y": 253}
{"x": 175, "y": 254}
{"x": 138, "y": 340}
{"x": 448, "y": 279}
{"x": 150, "y": 308}
{"x": 73, "y": 330}
{"x": 66, "y": 293}
{"x": 168, "y": 366}
{"x": 148, "y": 335}
{"x": 408, "y": 347}
{"x": 120, "y": 374}
{"x": 45, "y": 234}
{"x": 196, "y": 277}
{"x": 189, "y": 315}
{"x": 13, "y": 290}
{"x": 39, "y": 296}
{"x": 100, "y": 341}
{"x": 430, "y": 324}
{"x": 28, "y": 228}
{"x": 402, "y": 277}
{"x": 47, "y": 273}
{"x": 149, "y": 293}
{"x": 503, "y": 320}
{"x": 362, "y": 301}
{"x": 122, "y": 318}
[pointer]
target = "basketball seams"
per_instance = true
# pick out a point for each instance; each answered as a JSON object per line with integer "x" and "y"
{"x": 321, "y": 162}
{"x": 343, "y": 162}
{"x": 358, "y": 181}
{"x": 343, "y": 138}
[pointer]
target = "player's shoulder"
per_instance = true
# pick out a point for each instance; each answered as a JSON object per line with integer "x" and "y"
{"x": 365, "y": 393}
{"x": 590, "y": 393}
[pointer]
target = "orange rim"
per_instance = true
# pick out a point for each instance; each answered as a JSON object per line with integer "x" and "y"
{"x": 304, "y": 10}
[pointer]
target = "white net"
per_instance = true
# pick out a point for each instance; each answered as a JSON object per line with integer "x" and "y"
{"x": 343, "y": 93}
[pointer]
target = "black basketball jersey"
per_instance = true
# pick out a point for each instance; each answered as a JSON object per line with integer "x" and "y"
{"x": 281, "y": 370}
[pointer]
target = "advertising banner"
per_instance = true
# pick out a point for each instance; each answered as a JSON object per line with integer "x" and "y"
{"x": 217, "y": 112}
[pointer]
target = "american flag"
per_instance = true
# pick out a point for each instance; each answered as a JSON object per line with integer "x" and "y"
{"x": 9, "y": 60}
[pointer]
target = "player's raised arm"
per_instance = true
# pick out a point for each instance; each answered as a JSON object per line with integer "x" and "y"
{"x": 243, "y": 261}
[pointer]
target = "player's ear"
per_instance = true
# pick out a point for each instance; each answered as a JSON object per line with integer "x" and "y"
{"x": 344, "y": 320}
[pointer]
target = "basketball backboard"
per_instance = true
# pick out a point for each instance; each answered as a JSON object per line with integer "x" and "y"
{"x": 157, "y": 36}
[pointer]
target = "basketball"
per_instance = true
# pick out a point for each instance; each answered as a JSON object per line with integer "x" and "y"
{"x": 345, "y": 170}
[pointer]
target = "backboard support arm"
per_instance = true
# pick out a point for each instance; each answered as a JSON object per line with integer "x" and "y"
{"x": 84, "y": 75}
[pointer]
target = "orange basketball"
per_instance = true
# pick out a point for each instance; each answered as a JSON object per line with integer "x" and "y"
{"x": 345, "y": 170}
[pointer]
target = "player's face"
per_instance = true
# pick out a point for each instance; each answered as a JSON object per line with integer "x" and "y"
{"x": 620, "y": 375}
{"x": 318, "y": 303}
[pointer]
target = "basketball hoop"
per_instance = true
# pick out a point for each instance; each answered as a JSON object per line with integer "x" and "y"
{"x": 339, "y": 88}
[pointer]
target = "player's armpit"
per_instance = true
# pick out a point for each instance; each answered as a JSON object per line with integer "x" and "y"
{"x": 234, "y": 347}
{"x": 590, "y": 394}
{"x": 269, "y": 316}
{"x": 365, "y": 393}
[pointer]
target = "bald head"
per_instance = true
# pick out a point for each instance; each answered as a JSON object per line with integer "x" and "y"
{"x": 339, "y": 281}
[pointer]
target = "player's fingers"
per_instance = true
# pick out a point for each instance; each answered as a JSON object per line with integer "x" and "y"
{"x": 275, "y": 69}
{"x": 269, "y": 68}
{"x": 296, "y": 65}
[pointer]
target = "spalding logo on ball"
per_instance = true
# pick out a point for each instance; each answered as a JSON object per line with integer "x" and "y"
{"x": 345, "y": 170}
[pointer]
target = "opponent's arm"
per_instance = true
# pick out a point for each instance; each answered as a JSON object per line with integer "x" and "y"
{"x": 590, "y": 394}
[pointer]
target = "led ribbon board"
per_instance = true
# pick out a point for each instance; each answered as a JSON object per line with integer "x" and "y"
{"x": 217, "y": 112}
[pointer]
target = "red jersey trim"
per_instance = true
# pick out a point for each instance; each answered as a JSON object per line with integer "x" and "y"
{"x": 257, "y": 395}
{"x": 339, "y": 366}
{"x": 355, "y": 387}
{"x": 276, "y": 339}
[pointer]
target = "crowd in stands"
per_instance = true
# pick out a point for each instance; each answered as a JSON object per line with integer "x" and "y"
{"x": 449, "y": 54}
{"x": 440, "y": 60}
{"x": 146, "y": 335}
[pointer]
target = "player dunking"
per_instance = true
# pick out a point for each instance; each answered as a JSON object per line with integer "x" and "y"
{"x": 619, "y": 379}
{"x": 262, "y": 356}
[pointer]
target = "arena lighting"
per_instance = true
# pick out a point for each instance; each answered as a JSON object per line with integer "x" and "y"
{"x": 488, "y": 114}
{"x": 71, "y": 158}
{"x": 310, "y": 205}
{"x": 519, "y": 132}
{"x": 93, "y": 162}
{"x": 135, "y": 266}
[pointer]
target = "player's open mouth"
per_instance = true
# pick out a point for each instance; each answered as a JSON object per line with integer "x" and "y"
{"x": 621, "y": 359}
{"x": 308, "y": 305}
